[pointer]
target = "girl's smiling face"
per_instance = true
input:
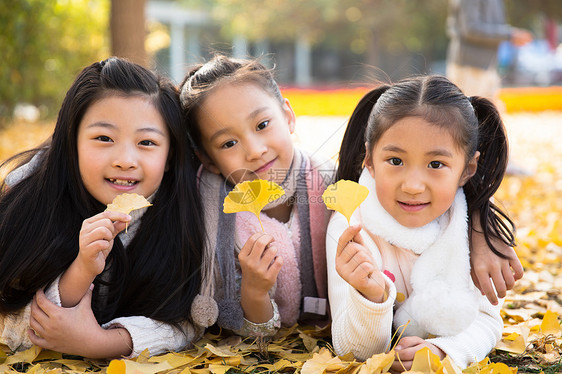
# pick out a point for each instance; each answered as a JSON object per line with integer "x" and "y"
{"x": 246, "y": 133}
{"x": 418, "y": 167}
{"x": 123, "y": 146}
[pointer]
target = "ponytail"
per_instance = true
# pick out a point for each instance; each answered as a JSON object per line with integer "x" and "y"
{"x": 492, "y": 163}
{"x": 352, "y": 150}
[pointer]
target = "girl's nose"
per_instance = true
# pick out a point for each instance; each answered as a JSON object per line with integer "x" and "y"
{"x": 413, "y": 184}
{"x": 255, "y": 149}
{"x": 125, "y": 159}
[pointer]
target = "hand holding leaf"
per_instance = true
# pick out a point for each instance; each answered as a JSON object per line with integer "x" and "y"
{"x": 252, "y": 196}
{"x": 344, "y": 197}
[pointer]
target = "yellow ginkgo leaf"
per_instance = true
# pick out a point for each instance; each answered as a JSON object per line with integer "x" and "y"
{"x": 550, "y": 324}
{"x": 127, "y": 202}
{"x": 378, "y": 363}
{"x": 252, "y": 196}
{"x": 426, "y": 361}
{"x": 344, "y": 197}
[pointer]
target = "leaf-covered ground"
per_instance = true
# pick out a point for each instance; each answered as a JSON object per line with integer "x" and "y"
{"x": 532, "y": 337}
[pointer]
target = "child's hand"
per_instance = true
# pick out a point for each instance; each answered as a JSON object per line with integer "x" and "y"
{"x": 74, "y": 330}
{"x": 259, "y": 263}
{"x": 260, "y": 266}
{"x": 96, "y": 240}
{"x": 484, "y": 264}
{"x": 356, "y": 265}
{"x": 406, "y": 350}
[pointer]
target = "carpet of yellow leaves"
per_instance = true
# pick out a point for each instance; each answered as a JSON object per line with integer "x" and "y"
{"x": 532, "y": 338}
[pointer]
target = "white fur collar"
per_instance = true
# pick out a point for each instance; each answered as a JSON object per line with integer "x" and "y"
{"x": 444, "y": 300}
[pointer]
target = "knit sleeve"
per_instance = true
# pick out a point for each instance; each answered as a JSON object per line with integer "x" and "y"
{"x": 155, "y": 336}
{"x": 358, "y": 325}
{"x": 475, "y": 342}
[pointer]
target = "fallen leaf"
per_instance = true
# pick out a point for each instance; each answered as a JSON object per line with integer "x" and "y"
{"x": 322, "y": 362}
{"x": 252, "y": 196}
{"x": 344, "y": 197}
{"x": 378, "y": 363}
{"x": 426, "y": 361}
{"x": 127, "y": 202}
{"x": 550, "y": 324}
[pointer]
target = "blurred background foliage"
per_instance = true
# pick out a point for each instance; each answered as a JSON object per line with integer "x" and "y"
{"x": 45, "y": 43}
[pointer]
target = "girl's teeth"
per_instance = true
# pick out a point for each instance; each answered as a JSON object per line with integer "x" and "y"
{"x": 122, "y": 182}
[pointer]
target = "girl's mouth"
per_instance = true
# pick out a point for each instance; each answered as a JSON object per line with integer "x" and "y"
{"x": 122, "y": 182}
{"x": 412, "y": 207}
{"x": 265, "y": 167}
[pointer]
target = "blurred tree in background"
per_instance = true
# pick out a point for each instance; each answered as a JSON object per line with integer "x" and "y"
{"x": 44, "y": 44}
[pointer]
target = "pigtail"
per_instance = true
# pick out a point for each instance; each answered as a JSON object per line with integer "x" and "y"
{"x": 493, "y": 147}
{"x": 352, "y": 150}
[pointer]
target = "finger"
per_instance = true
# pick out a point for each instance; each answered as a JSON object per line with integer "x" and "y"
{"x": 247, "y": 247}
{"x": 475, "y": 281}
{"x": 347, "y": 253}
{"x": 117, "y": 216}
{"x": 36, "y": 339}
{"x": 499, "y": 284}
{"x": 486, "y": 287}
{"x": 346, "y": 237}
{"x": 260, "y": 246}
{"x": 508, "y": 277}
{"x": 516, "y": 266}
{"x": 36, "y": 312}
{"x": 275, "y": 266}
{"x": 43, "y": 303}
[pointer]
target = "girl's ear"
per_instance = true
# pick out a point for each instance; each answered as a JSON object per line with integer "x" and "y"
{"x": 368, "y": 161}
{"x": 290, "y": 115}
{"x": 207, "y": 162}
{"x": 470, "y": 169}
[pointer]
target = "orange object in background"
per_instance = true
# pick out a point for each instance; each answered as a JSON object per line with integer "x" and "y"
{"x": 342, "y": 101}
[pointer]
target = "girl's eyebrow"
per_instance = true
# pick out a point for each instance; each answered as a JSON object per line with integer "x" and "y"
{"x": 219, "y": 133}
{"x": 393, "y": 148}
{"x": 113, "y": 127}
{"x": 440, "y": 152}
{"x": 435, "y": 152}
{"x": 151, "y": 129}
{"x": 256, "y": 112}
{"x": 101, "y": 124}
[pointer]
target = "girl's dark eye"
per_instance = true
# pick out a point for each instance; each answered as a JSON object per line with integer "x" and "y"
{"x": 435, "y": 164}
{"x": 147, "y": 142}
{"x": 103, "y": 138}
{"x": 229, "y": 144}
{"x": 263, "y": 125}
{"x": 395, "y": 161}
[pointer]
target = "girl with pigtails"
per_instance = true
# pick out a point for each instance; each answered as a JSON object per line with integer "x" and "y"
{"x": 431, "y": 158}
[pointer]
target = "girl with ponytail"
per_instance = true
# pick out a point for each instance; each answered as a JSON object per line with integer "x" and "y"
{"x": 432, "y": 159}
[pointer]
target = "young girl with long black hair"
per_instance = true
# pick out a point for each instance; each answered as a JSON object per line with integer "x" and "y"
{"x": 119, "y": 130}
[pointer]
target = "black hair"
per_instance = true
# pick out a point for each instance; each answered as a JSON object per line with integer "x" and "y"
{"x": 474, "y": 123}
{"x": 158, "y": 274}
{"x": 203, "y": 78}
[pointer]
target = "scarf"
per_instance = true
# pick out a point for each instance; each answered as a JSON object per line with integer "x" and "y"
{"x": 222, "y": 230}
{"x": 444, "y": 299}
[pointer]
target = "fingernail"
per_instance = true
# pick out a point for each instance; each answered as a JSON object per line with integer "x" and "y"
{"x": 398, "y": 348}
